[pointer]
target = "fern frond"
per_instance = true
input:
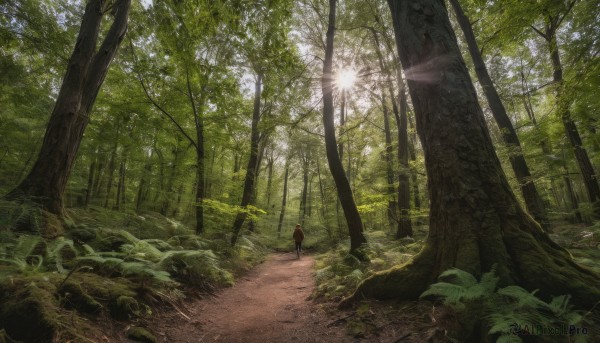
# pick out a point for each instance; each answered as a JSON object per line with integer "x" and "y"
{"x": 55, "y": 252}
{"x": 452, "y": 294}
{"x": 458, "y": 277}
{"x": 522, "y": 296}
{"x": 26, "y": 246}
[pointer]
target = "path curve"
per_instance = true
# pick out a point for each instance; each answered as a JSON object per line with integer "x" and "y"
{"x": 270, "y": 304}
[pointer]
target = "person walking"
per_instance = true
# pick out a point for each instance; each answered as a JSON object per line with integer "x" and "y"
{"x": 298, "y": 238}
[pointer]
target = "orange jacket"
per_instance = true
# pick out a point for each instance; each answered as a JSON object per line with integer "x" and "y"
{"x": 298, "y": 235}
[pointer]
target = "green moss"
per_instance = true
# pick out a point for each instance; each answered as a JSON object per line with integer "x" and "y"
{"x": 124, "y": 307}
{"x": 139, "y": 334}
{"x": 74, "y": 297}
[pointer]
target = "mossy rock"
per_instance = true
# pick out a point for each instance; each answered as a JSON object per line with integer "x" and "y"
{"x": 124, "y": 307}
{"x": 30, "y": 314}
{"x": 139, "y": 334}
{"x": 74, "y": 297}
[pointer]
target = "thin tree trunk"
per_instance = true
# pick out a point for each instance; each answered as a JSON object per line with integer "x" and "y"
{"x": 533, "y": 201}
{"x": 270, "y": 162}
{"x": 392, "y": 203}
{"x": 249, "y": 181}
{"x": 98, "y": 186}
{"x": 284, "y": 198}
{"x": 404, "y": 222}
{"x": 342, "y": 124}
{"x": 199, "y": 123}
{"x": 303, "y": 201}
{"x": 323, "y": 206}
{"x": 90, "y": 186}
{"x": 120, "y": 200}
{"x": 590, "y": 178}
{"x": 111, "y": 172}
{"x": 355, "y": 226}
{"x": 86, "y": 70}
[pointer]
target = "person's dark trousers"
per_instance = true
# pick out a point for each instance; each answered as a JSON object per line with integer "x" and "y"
{"x": 299, "y": 246}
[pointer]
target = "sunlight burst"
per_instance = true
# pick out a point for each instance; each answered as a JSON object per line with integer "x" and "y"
{"x": 346, "y": 78}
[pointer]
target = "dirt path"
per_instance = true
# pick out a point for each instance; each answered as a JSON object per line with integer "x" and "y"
{"x": 270, "y": 304}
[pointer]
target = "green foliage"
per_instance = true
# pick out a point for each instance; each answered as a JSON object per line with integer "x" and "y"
{"x": 199, "y": 268}
{"x": 501, "y": 310}
{"x": 462, "y": 288}
{"x": 338, "y": 273}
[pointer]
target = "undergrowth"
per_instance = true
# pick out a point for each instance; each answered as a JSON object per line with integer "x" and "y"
{"x": 508, "y": 314}
{"x": 113, "y": 263}
{"x": 338, "y": 272}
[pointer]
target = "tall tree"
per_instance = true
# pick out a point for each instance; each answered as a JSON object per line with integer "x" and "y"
{"x": 552, "y": 23}
{"x": 533, "y": 201}
{"x": 355, "y": 226}
{"x": 87, "y": 68}
{"x": 476, "y": 223}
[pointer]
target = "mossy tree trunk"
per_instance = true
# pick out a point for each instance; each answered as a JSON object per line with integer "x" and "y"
{"x": 475, "y": 219}
{"x": 86, "y": 70}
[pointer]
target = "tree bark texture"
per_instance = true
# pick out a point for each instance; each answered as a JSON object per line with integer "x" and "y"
{"x": 85, "y": 73}
{"x": 533, "y": 201}
{"x": 476, "y": 222}
{"x": 355, "y": 226}
{"x": 249, "y": 181}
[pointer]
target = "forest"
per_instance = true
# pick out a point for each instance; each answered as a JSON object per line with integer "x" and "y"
{"x": 440, "y": 158}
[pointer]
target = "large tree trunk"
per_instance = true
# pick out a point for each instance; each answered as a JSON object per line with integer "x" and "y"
{"x": 533, "y": 201}
{"x": 249, "y": 181}
{"x": 284, "y": 198}
{"x": 344, "y": 191}
{"x": 85, "y": 73}
{"x": 476, "y": 222}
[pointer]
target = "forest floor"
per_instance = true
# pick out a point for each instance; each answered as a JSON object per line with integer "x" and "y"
{"x": 272, "y": 303}
{"x": 269, "y": 304}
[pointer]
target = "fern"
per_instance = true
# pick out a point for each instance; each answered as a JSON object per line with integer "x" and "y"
{"x": 26, "y": 246}
{"x": 462, "y": 288}
{"x": 196, "y": 267}
{"x": 504, "y": 308}
{"x": 57, "y": 248}
{"x": 142, "y": 250}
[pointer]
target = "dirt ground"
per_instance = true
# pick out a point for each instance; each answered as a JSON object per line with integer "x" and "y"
{"x": 270, "y": 304}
